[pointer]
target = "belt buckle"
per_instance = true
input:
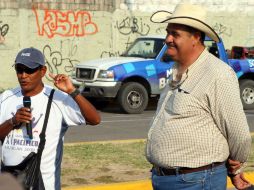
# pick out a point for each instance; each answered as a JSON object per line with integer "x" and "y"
{"x": 160, "y": 171}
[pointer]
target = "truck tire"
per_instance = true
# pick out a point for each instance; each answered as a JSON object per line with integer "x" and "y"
{"x": 133, "y": 98}
{"x": 247, "y": 93}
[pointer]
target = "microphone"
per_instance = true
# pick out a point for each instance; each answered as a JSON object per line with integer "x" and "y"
{"x": 27, "y": 104}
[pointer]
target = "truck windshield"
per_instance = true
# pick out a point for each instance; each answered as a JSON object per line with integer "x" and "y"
{"x": 212, "y": 47}
{"x": 145, "y": 48}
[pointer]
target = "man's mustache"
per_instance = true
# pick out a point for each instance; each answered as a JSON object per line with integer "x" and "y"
{"x": 170, "y": 45}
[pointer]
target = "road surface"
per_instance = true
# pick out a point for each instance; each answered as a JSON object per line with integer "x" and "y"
{"x": 116, "y": 125}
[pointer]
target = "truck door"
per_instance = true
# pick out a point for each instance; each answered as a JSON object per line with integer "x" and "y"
{"x": 164, "y": 69}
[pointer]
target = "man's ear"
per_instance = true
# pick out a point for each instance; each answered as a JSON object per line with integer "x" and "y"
{"x": 43, "y": 71}
{"x": 196, "y": 37}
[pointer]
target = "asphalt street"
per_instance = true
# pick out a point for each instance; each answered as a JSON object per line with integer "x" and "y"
{"x": 116, "y": 125}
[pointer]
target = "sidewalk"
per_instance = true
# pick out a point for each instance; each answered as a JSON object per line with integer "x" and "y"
{"x": 141, "y": 185}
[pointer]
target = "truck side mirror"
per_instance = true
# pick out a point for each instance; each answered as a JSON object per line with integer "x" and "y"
{"x": 166, "y": 58}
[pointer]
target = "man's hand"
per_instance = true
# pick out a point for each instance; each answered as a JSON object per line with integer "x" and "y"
{"x": 233, "y": 166}
{"x": 23, "y": 115}
{"x": 62, "y": 82}
{"x": 240, "y": 182}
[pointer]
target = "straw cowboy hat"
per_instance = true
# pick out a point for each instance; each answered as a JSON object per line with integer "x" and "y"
{"x": 187, "y": 14}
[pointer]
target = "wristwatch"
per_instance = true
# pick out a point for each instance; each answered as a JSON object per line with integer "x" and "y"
{"x": 75, "y": 93}
{"x": 240, "y": 170}
{"x": 13, "y": 122}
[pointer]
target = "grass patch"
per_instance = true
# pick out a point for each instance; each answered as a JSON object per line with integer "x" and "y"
{"x": 105, "y": 179}
{"x": 80, "y": 180}
{"x": 250, "y": 164}
{"x": 89, "y": 155}
{"x": 104, "y": 163}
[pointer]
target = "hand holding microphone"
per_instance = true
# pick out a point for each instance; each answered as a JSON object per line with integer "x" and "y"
{"x": 27, "y": 104}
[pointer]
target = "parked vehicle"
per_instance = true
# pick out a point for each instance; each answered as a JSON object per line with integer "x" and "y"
{"x": 241, "y": 52}
{"x": 143, "y": 70}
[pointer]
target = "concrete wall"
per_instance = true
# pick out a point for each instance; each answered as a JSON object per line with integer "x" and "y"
{"x": 71, "y": 31}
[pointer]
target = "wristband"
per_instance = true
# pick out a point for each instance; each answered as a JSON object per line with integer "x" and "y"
{"x": 231, "y": 175}
{"x": 75, "y": 93}
{"x": 11, "y": 121}
{"x": 13, "y": 124}
{"x": 240, "y": 170}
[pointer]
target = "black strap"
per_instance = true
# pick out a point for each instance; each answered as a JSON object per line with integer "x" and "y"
{"x": 42, "y": 141}
{"x": 42, "y": 135}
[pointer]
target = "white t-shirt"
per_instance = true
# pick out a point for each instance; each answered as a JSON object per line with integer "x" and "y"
{"x": 17, "y": 145}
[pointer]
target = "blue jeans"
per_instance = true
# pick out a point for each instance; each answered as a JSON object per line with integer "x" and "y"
{"x": 212, "y": 179}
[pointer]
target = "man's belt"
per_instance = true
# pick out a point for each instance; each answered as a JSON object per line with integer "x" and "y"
{"x": 184, "y": 170}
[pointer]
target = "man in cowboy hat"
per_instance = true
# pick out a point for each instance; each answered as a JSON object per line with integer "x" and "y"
{"x": 199, "y": 124}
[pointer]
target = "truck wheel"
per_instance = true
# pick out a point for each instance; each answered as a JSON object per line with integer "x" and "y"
{"x": 247, "y": 93}
{"x": 133, "y": 97}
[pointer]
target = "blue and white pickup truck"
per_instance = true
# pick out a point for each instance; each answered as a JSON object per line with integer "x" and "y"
{"x": 142, "y": 71}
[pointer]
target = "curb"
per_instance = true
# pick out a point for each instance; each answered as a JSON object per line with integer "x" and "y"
{"x": 144, "y": 185}
{"x": 134, "y": 185}
{"x": 106, "y": 142}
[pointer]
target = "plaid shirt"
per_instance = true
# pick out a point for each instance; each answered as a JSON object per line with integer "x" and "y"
{"x": 200, "y": 120}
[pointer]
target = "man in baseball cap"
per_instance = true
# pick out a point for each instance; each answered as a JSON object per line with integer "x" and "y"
{"x": 199, "y": 122}
{"x": 29, "y": 61}
{"x": 23, "y": 122}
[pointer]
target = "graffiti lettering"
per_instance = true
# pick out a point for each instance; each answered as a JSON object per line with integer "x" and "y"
{"x": 117, "y": 53}
{"x": 110, "y": 54}
{"x": 222, "y": 30}
{"x": 66, "y": 24}
{"x": 55, "y": 59}
{"x": 3, "y": 31}
{"x": 161, "y": 30}
{"x": 128, "y": 43}
{"x": 132, "y": 25}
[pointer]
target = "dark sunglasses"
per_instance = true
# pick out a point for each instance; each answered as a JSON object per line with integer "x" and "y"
{"x": 27, "y": 70}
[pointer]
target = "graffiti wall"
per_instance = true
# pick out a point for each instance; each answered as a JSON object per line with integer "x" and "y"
{"x": 68, "y": 34}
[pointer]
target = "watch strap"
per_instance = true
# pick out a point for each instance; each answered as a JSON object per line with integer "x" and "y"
{"x": 75, "y": 93}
